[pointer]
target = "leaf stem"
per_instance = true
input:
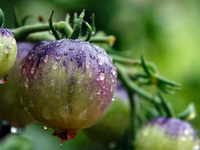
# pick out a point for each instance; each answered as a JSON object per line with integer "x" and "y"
{"x": 131, "y": 86}
{"x": 22, "y": 32}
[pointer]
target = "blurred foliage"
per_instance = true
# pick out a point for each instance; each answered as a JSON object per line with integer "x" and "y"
{"x": 167, "y": 32}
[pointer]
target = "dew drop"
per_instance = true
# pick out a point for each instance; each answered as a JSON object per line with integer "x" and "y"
{"x": 65, "y": 111}
{"x": 87, "y": 64}
{"x": 7, "y": 49}
{"x": 102, "y": 76}
{"x": 14, "y": 42}
{"x": 46, "y": 59}
{"x": 91, "y": 96}
{"x": 90, "y": 74}
{"x": 92, "y": 56}
{"x": 113, "y": 99}
{"x": 99, "y": 92}
{"x": 16, "y": 130}
{"x": 114, "y": 72}
{"x": 83, "y": 115}
{"x": 57, "y": 56}
{"x": 65, "y": 53}
{"x": 55, "y": 65}
{"x": 30, "y": 57}
{"x": 32, "y": 70}
{"x": 20, "y": 98}
{"x": 52, "y": 83}
{"x": 24, "y": 71}
{"x": 46, "y": 128}
{"x": 99, "y": 62}
{"x": 26, "y": 83}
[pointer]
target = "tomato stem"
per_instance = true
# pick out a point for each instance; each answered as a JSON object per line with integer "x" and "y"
{"x": 1, "y": 18}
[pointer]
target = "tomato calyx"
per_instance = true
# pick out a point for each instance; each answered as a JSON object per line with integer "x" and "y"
{"x": 67, "y": 135}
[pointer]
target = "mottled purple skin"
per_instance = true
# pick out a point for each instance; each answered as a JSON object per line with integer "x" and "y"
{"x": 69, "y": 83}
{"x": 10, "y": 106}
{"x": 6, "y": 32}
{"x": 174, "y": 127}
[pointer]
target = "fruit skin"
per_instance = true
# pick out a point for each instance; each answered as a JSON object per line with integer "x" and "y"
{"x": 113, "y": 127}
{"x": 166, "y": 134}
{"x": 8, "y": 50}
{"x": 10, "y": 107}
{"x": 67, "y": 85}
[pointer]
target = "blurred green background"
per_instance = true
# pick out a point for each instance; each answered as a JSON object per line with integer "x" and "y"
{"x": 167, "y": 32}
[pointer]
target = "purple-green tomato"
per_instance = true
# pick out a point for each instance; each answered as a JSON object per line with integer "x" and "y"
{"x": 8, "y": 51}
{"x": 166, "y": 134}
{"x": 10, "y": 107}
{"x": 67, "y": 85}
{"x": 112, "y": 128}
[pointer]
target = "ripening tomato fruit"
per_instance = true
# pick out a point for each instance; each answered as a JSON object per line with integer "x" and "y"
{"x": 67, "y": 85}
{"x": 8, "y": 51}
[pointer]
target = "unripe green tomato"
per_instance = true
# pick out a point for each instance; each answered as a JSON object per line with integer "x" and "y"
{"x": 67, "y": 85}
{"x": 8, "y": 51}
{"x": 166, "y": 134}
{"x": 11, "y": 108}
{"x": 112, "y": 128}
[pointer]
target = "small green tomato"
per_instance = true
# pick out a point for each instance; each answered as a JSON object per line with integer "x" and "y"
{"x": 8, "y": 51}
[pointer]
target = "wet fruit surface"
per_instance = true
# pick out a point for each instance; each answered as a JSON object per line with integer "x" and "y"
{"x": 8, "y": 51}
{"x": 113, "y": 127}
{"x": 67, "y": 84}
{"x": 10, "y": 107}
{"x": 167, "y": 134}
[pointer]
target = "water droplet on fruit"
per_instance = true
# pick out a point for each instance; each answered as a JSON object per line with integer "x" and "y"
{"x": 83, "y": 115}
{"x": 102, "y": 76}
{"x": 57, "y": 56}
{"x": 24, "y": 71}
{"x": 46, "y": 59}
{"x": 26, "y": 83}
{"x": 90, "y": 74}
{"x": 65, "y": 53}
{"x": 91, "y": 96}
{"x": 99, "y": 62}
{"x": 99, "y": 92}
{"x": 55, "y": 65}
{"x": 32, "y": 70}
{"x": 7, "y": 49}
{"x": 30, "y": 57}
{"x": 114, "y": 72}
{"x": 52, "y": 82}
{"x": 65, "y": 111}
{"x": 16, "y": 130}
{"x": 113, "y": 99}
{"x": 87, "y": 64}
{"x": 20, "y": 98}
{"x": 14, "y": 42}
{"x": 92, "y": 56}
{"x": 46, "y": 113}
{"x": 46, "y": 128}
